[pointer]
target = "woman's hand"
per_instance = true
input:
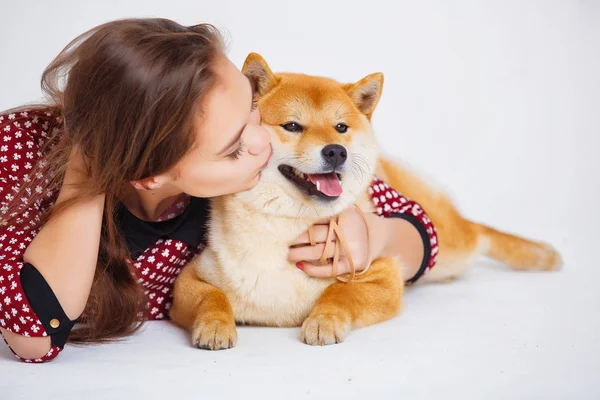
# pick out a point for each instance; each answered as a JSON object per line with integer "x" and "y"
{"x": 353, "y": 230}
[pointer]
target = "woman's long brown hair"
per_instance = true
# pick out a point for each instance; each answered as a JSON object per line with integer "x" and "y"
{"x": 127, "y": 91}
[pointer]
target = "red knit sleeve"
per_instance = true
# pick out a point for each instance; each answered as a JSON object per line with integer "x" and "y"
{"x": 21, "y": 137}
{"x": 390, "y": 203}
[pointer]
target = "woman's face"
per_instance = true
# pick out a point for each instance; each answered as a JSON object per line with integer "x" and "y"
{"x": 231, "y": 146}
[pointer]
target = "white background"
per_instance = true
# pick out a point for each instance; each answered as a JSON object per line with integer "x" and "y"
{"x": 497, "y": 100}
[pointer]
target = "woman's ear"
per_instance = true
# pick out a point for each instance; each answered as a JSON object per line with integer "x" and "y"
{"x": 150, "y": 183}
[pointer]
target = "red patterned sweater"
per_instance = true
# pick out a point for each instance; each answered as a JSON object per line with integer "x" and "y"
{"x": 156, "y": 267}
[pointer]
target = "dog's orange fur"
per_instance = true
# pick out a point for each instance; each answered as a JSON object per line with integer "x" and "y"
{"x": 205, "y": 311}
{"x": 372, "y": 298}
{"x": 462, "y": 240}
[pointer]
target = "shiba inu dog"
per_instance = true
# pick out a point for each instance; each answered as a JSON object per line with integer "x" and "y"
{"x": 324, "y": 157}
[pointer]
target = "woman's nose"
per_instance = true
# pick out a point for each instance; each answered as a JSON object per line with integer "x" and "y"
{"x": 260, "y": 141}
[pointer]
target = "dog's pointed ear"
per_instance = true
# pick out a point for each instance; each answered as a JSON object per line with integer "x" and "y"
{"x": 366, "y": 93}
{"x": 260, "y": 75}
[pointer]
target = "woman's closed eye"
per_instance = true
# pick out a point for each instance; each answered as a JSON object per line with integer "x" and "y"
{"x": 237, "y": 152}
{"x": 240, "y": 150}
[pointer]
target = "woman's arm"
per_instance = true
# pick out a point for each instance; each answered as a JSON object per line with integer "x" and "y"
{"x": 397, "y": 237}
{"x": 45, "y": 278}
{"x": 400, "y": 227}
{"x": 65, "y": 250}
{"x": 411, "y": 235}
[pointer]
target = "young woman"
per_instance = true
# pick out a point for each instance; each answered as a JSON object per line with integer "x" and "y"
{"x": 102, "y": 190}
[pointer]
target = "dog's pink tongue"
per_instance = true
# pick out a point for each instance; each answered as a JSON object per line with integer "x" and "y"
{"x": 329, "y": 184}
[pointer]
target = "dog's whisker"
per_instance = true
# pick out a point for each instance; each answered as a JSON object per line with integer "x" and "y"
{"x": 353, "y": 169}
{"x": 357, "y": 171}
{"x": 359, "y": 159}
{"x": 301, "y": 210}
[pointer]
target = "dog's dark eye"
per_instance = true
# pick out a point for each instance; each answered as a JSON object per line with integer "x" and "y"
{"x": 341, "y": 128}
{"x": 293, "y": 127}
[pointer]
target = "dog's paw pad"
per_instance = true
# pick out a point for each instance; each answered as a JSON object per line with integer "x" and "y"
{"x": 321, "y": 330}
{"x": 214, "y": 335}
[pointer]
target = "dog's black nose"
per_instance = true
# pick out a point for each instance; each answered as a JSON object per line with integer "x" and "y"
{"x": 334, "y": 155}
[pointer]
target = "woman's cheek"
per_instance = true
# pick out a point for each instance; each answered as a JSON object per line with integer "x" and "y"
{"x": 255, "y": 117}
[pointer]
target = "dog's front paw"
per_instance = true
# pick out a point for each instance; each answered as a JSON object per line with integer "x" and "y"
{"x": 324, "y": 329}
{"x": 214, "y": 334}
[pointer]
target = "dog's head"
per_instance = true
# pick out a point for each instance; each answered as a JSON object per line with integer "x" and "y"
{"x": 324, "y": 151}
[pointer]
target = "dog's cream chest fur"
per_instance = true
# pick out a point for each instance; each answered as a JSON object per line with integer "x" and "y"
{"x": 261, "y": 285}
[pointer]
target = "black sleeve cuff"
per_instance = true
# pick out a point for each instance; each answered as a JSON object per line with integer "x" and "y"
{"x": 45, "y": 305}
{"x": 424, "y": 237}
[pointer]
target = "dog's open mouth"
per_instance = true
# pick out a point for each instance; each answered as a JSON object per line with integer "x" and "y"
{"x": 326, "y": 185}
